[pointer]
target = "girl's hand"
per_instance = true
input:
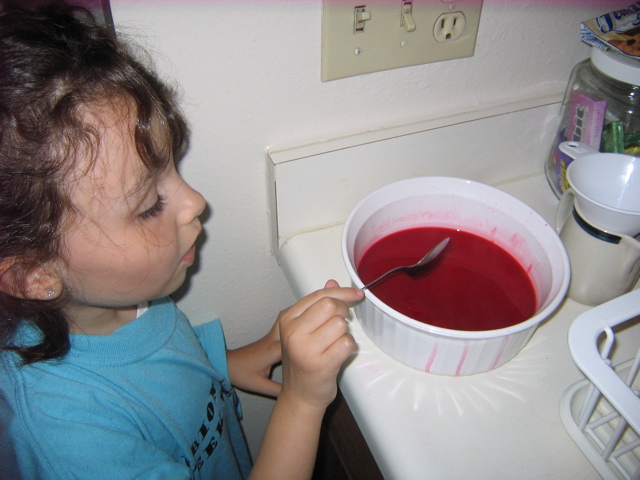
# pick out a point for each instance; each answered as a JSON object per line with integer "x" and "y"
{"x": 315, "y": 343}
{"x": 250, "y": 366}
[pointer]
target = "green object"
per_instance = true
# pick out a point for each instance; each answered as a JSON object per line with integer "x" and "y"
{"x": 632, "y": 144}
{"x": 613, "y": 138}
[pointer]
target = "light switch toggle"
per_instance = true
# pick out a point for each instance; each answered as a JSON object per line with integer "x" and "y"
{"x": 360, "y": 16}
{"x": 407, "y": 18}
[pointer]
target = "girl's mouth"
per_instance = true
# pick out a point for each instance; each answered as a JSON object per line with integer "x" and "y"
{"x": 190, "y": 256}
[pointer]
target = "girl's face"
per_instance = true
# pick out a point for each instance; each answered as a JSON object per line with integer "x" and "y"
{"x": 133, "y": 237}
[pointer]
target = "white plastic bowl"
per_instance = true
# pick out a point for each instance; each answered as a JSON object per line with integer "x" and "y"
{"x": 475, "y": 208}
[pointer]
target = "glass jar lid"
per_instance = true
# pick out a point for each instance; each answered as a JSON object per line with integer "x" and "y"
{"x": 617, "y": 66}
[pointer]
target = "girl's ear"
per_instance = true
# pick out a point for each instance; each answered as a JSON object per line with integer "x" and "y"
{"x": 35, "y": 284}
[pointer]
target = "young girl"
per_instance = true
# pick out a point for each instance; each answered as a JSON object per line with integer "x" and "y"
{"x": 103, "y": 375}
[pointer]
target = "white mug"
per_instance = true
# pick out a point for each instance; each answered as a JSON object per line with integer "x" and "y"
{"x": 604, "y": 265}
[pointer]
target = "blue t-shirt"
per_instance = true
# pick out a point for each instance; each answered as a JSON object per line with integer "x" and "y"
{"x": 151, "y": 400}
{"x": 8, "y": 463}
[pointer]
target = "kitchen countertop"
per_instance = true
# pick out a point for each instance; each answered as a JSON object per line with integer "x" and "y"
{"x": 503, "y": 424}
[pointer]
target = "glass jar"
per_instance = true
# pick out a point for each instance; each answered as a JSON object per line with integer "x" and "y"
{"x": 601, "y": 108}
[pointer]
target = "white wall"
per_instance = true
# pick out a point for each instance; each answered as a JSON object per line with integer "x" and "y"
{"x": 249, "y": 72}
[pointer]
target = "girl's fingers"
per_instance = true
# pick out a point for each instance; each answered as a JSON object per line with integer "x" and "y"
{"x": 318, "y": 314}
{"x": 346, "y": 294}
{"x": 326, "y": 346}
{"x": 330, "y": 331}
{"x": 331, "y": 284}
{"x": 340, "y": 350}
{"x": 334, "y": 342}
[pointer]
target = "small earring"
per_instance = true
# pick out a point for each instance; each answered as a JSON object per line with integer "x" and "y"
{"x": 51, "y": 293}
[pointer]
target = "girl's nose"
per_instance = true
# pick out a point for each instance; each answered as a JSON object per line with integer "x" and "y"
{"x": 193, "y": 204}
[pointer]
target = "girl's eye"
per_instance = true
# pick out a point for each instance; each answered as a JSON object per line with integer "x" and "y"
{"x": 155, "y": 210}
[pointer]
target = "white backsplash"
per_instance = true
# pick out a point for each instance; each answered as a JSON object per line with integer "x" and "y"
{"x": 316, "y": 186}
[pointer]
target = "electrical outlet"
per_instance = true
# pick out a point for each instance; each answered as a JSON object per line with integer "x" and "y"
{"x": 449, "y": 27}
{"x": 360, "y": 37}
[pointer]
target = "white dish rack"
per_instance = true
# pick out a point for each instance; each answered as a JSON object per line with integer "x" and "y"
{"x": 602, "y": 413}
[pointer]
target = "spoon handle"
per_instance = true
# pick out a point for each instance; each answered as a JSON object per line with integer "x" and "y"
{"x": 433, "y": 253}
{"x": 384, "y": 275}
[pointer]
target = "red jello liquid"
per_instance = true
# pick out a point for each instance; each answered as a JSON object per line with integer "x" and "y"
{"x": 474, "y": 285}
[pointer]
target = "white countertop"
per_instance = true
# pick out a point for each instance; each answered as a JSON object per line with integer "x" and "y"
{"x": 503, "y": 424}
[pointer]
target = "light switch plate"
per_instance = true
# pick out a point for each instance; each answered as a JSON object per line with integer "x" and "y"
{"x": 360, "y": 37}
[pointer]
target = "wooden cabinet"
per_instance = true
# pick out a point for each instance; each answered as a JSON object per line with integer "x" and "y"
{"x": 343, "y": 453}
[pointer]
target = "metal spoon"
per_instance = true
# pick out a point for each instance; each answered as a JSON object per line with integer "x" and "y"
{"x": 431, "y": 255}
